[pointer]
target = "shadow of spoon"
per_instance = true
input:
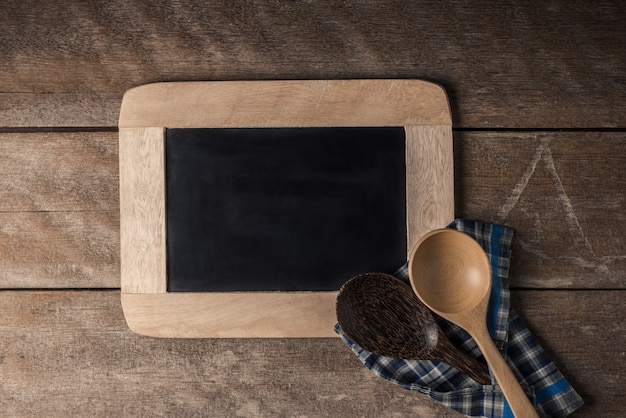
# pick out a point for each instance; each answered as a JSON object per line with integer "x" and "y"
{"x": 383, "y": 315}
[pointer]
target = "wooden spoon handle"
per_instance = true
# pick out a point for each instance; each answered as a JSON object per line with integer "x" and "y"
{"x": 517, "y": 399}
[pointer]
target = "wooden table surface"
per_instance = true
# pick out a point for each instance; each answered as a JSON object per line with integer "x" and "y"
{"x": 537, "y": 91}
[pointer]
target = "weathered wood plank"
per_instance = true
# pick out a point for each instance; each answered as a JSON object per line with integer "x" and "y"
{"x": 59, "y": 249}
{"x": 71, "y": 171}
{"x": 521, "y": 64}
{"x": 66, "y": 352}
{"x": 563, "y": 192}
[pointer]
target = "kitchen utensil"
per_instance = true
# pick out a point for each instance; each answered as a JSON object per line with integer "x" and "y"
{"x": 451, "y": 274}
{"x": 382, "y": 314}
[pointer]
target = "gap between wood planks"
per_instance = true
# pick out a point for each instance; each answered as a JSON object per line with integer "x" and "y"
{"x": 108, "y": 129}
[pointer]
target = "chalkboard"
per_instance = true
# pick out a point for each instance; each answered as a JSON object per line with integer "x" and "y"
{"x": 289, "y": 209}
{"x": 213, "y": 231}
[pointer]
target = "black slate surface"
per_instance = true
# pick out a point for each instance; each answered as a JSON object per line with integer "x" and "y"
{"x": 283, "y": 209}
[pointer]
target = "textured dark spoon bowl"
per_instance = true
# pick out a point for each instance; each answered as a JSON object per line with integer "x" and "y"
{"x": 383, "y": 315}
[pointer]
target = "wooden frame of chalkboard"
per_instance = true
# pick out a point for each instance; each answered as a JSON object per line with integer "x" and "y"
{"x": 420, "y": 107}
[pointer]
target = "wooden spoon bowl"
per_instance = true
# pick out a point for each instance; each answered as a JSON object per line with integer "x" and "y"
{"x": 451, "y": 274}
{"x": 382, "y": 314}
{"x": 453, "y": 270}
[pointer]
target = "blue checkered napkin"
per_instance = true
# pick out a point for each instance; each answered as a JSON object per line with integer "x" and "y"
{"x": 548, "y": 389}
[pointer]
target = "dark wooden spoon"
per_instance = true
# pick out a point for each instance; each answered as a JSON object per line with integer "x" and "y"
{"x": 383, "y": 315}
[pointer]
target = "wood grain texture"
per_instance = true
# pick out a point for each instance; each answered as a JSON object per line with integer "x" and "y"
{"x": 59, "y": 249}
{"x": 71, "y": 171}
{"x": 563, "y": 193}
{"x": 429, "y": 180}
{"x": 142, "y": 210}
{"x": 520, "y": 64}
{"x": 281, "y": 103}
{"x": 65, "y": 352}
{"x": 231, "y": 314}
{"x": 557, "y": 64}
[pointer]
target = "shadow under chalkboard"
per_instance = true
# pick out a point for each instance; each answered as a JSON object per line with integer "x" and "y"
{"x": 294, "y": 209}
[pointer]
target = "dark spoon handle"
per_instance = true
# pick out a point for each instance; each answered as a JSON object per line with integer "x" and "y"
{"x": 451, "y": 355}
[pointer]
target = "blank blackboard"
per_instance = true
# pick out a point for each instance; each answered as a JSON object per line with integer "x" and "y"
{"x": 289, "y": 209}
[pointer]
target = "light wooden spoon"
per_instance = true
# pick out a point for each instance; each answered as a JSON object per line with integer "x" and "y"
{"x": 450, "y": 273}
{"x": 382, "y": 314}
